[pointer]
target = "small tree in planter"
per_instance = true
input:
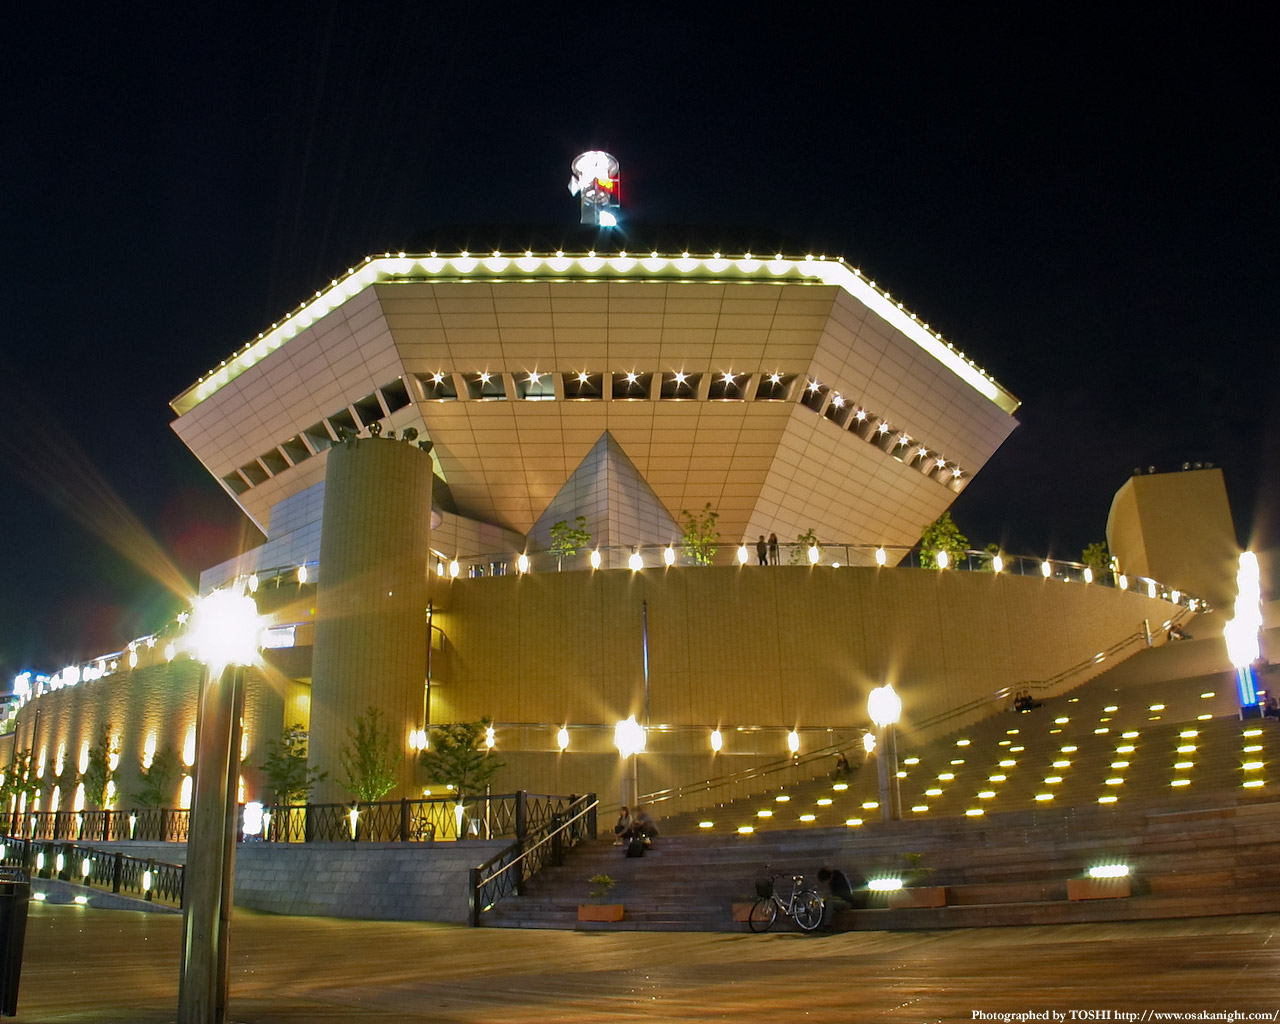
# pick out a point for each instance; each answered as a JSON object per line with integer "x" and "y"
{"x": 458, "y": 757}
{"x": 1097, "y": 557}
{"x": 157, "y": 781}
{"x": 567, "y": 541}
{"x": 97, "y": 772}
{"x": 914, "y": 893}
{"x": 369, "y": 763}
{"x": 598, "y": 910}
{"x": 289, "y": 776}
{"x": 19, "y": 781}
{"x": 942, "y": 535}
{"x": 700, "y": 538}
{"x": 804, "y": 541}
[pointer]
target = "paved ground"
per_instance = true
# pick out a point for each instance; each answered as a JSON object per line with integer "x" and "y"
{"x": 92, "y": 965}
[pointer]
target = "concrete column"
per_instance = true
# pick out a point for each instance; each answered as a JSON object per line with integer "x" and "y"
{"x": 371, "y": 635}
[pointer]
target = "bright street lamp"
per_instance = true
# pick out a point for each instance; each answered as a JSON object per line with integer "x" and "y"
{"x": 885, "y": 706}
{"x": 629, "y": 737}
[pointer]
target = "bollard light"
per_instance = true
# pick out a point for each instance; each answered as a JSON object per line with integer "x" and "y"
{"x": 253, "y": 818}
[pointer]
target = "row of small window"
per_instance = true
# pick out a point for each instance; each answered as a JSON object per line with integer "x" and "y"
{"x": 585, "y": 385}
{"x": 374, "y": 407}
{"x": 876, "y": 431}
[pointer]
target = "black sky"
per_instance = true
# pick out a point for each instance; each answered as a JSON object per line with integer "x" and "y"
{"x": 1081, "y": 198}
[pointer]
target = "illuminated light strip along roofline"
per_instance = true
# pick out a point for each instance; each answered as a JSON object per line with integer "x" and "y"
{"x": 557, "y": 267}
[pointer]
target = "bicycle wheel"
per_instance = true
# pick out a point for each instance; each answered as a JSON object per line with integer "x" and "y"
{"x": 762, "y": 915}
{"x": 808, "y": 910}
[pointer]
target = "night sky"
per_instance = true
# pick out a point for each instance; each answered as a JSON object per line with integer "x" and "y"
{"x": 1082, "y": 199}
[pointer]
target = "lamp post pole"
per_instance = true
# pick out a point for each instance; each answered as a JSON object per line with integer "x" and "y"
{"x": 225, "y": 634}
{"x": 884, "y": 706}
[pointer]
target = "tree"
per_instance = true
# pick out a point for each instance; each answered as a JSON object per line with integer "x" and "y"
{"x": 1097, "y": 557}
{"x": 19, "y": 780}
{"x": 369, "y": 762}
{"x": 566, "y": 540}
{"x": 457, "y": 757}
{"x": 66, "y": 784}
{"x": 289, "y": 776}
{"x": 989, "y": 555}
{"x": 804, "y": 541}
{"x": 942, "y": 535}
{"x": 701, "y": 539}
{"x": 97, "y": 772}
{"x": 157, "y": 781}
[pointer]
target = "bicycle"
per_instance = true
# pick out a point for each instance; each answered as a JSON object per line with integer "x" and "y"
{"x": 804, "y": 905}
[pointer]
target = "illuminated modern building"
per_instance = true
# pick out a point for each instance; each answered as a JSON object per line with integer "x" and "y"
{"x": 408, "y": 436}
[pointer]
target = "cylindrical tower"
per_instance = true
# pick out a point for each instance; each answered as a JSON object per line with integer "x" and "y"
{"x": 371, "y": 637}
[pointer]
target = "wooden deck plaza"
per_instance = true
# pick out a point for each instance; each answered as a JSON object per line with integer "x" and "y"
{"x": 86, "y": 965}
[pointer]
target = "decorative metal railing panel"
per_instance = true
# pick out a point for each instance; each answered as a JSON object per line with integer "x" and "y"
{"x": 144, "y": 878}
{"x": 498, "y": 816}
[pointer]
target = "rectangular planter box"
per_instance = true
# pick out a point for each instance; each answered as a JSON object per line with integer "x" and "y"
{"x": 1097, "y": 888}
{"x": 600, "y": 912}
{"x": 742, "y": 911}
{"x": 918, "y": 896}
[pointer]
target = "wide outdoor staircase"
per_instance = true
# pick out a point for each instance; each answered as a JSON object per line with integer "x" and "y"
{"x": 1155, "y": 774}
{"x": 1010, "y": 868}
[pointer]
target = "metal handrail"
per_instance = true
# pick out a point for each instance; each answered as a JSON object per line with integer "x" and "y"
{"x": 745, "y": 775}
{"x": 1002, "y": 694}
{"x": 516, "y": 857}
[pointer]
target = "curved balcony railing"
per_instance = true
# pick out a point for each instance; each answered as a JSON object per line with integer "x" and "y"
{"x": 281, "y": 583}
{"x": 833, "y": 555}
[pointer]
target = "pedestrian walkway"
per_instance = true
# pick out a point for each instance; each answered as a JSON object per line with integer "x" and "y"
{"x": 119, "y": 967}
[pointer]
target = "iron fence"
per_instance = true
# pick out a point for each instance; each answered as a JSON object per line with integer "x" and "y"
{"x": 164, "y": 825}
{"x": 146, "y": 878}
{"x": 485, "y": 816}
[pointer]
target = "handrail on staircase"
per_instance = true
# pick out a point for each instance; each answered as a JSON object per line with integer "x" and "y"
{"x": 1003, "y": 694}
{"x": 999, "y": 696}
{"x": 528, "y": 855}
{"x": 745, "y": 775}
